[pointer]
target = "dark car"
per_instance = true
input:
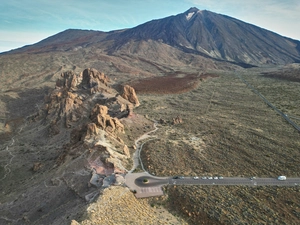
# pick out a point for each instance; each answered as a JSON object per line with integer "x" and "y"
{"x": 176, "y": 177}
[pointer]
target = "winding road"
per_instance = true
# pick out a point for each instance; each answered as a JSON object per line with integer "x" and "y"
{"x": 137, "y": 154}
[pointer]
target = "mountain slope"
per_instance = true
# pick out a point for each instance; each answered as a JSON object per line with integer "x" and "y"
{"x": 217, "y": 36}
{"x": 70, "y": 39}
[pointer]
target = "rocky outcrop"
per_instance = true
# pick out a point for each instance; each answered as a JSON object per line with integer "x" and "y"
{"x": 177, "y": 120}
{"x": 91, "y": 130}
{"x": 94, "y": 80}
{"x": 100, "y": 117}
{"x": 69, "y": 80}
{"x": 74, "y": 95}
{"x": 129, "y": 94}
{"x": 63, "y": 105}
{"x": 93, "y": 110}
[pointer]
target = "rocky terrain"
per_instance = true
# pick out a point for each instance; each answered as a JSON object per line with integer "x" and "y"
{"x": 117, "y": 205}
{"x": 57, "y": 158}
{"x": 72, "y": 106}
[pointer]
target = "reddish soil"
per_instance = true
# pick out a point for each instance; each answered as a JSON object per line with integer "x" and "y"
{"x": 170, "y": 84}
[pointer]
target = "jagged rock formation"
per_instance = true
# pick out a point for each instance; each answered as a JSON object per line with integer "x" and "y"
{"x": 94, "y": 80}
{"x": 74, "y": 95}
{"x": 93, "y": 110}
{"x": 64, "y": 105}
{"x": 129, "y": 94}
{"x": 69, "y": 80}
{"x": 100, "y": 116}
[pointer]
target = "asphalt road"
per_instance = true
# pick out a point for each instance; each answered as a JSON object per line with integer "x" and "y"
{"x": 158, "y": 181}
{"x": 270, "y": 104}
{"x": 152, "y": 181}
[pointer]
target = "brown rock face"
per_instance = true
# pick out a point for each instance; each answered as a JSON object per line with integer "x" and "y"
{"x": 100, "y": 117}
{"x": 91, "y": 131}
{"x": 93, "y": 79}
{"x": 130, "y": 95}
{"x": 69, "y": 80}
{"x": 65, "y": 105}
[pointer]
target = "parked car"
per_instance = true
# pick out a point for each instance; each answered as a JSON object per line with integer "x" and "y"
{"x": 196, "y": 178}
{"x": 203, "y": 178}
{"x": 216, "y": 178}
{"x": 221, "y": 178}
{"x": 175, "y": 177}
{"x": 210, "y": 178}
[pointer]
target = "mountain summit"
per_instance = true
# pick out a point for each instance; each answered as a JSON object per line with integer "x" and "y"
{"x": 217, "y": 36}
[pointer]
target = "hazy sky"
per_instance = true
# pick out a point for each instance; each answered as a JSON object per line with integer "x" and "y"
{"x": 29, "y": 21}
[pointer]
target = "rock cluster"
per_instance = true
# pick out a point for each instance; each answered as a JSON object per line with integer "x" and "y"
{"x": 93, "y": 110}
{"x": 73, "y": 97}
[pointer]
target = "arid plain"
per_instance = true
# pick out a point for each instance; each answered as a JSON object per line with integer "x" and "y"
{"x": 55, "y": 125}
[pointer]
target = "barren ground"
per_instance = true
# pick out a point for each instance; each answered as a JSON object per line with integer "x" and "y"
{"x": 227, "y": 130}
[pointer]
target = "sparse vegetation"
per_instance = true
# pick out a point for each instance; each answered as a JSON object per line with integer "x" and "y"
{"x": 227, "y": 130}
{"x": 145, "y": 180}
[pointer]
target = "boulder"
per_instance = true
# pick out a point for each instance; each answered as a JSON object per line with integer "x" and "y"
{"x": 129, "y": 94}
{"x": 37, "y": 166}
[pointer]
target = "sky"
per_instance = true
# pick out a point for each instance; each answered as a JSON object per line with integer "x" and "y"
{"x": 25, "y": 22}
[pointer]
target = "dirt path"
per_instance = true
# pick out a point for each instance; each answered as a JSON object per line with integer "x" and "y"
{"x": 6, "y": 167}
{"x": 136, "y": 155}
